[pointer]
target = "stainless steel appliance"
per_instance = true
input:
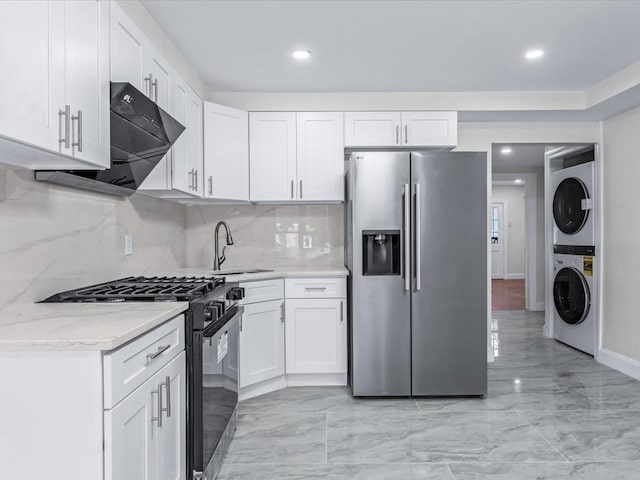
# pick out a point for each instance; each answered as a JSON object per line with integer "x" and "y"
{"x": 141, "y": 134}
{"x": 212, "y": 335}
{"x": 416, "y": 237}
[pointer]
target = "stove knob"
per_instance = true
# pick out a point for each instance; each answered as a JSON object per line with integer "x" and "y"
{"x": 220, "y": 305}
{"x": 210, "y": 313}
{"x": 235, "y": 293}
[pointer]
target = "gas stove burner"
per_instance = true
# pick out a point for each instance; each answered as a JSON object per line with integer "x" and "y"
{"x": 143, "y": 289}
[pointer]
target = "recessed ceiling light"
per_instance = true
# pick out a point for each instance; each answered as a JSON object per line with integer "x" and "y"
{"x": 301, "y": 54}
{"x": 534, "y": 54}
{"x": 505, "y": 150}
{"x": 518, "y": 180}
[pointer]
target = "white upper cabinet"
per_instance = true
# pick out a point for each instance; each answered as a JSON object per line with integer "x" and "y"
{"x": 87, "y": 78}
{"x": 320, "y": 162}
{"x": 194, "y": 125}
{"x": 372, "y": 129}
{"x": 430, "y": 129}
{"x": 296, "y": 157}
{"x": 55, "y": 87}
{"x": 272, "y": 156}
{"x": 226, "y": 153}
{"x": 398, "y": 129}
{"x": 127, "y": 50}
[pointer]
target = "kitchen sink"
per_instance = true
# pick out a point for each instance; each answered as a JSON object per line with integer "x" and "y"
{"x": 243, "y": 272}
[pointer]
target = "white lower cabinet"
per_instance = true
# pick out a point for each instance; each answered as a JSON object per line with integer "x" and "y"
{"x": 262, "y": 342}
{"x": 145, "y": 434}
{"x": 316, "y": 336}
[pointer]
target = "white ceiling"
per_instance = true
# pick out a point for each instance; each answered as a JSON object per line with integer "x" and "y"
{"x": 402, "y": 45}
{"x": 521, "y": 156}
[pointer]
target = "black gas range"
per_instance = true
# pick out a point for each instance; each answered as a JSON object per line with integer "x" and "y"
{"x": 213, "y": 322}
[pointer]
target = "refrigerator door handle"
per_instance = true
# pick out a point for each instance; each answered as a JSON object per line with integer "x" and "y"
{"x": 417, "y": 230}
{"x": 407, "y": 237}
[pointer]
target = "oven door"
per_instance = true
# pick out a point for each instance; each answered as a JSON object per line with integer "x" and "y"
{"x": 214, "y": 393}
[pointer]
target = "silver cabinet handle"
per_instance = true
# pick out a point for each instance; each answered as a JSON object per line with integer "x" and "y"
{"x": 406, "y": 134}
{"x": 159, "y": 417}
{"x": 291, "y": 189}
{"x": 282, "y": 313}
{"x": 167, "y": 385}
{"x": 211, "y": 185}
{"x": 147, "y": 83}
{"x": 407, "y": 240}
{"x": 397, "y": 134}
{"x": 315, "y": 289}
{"x": 160, "y": 351}
{"x": 418, "y": 233}
{"x": 77, "y": 118}
{"x": 301, "y": 189}
{"x": 66, "y": 113}
{"x": 195, "y": 181}
{"x": 191, "y": 175}
{"x": 154, "y": 84}
{"x": 341, "y": 311}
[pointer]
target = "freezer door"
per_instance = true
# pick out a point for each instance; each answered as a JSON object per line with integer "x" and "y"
{"x": 381, "y": 335}
{"x": 449, "y": 289}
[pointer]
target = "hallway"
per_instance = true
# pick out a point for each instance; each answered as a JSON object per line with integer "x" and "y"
{"x": 551, "y": 413}
{"x": 507, "y": 294}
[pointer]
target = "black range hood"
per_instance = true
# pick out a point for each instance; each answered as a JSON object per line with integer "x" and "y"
{"x": 141, "y": 134}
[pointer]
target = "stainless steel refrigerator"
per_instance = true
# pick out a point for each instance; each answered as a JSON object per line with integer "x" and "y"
{"x": 416, "y": 247}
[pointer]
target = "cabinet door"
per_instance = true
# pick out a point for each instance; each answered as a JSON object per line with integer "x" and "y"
{"x": 157, "y": 86}
{"x": 87, "y": 78}
{"x": 131, "y": 435}
{"x": 226, "y": 153}
{"x": 32, "y": 66}
{"x": 262, "y": 342}
{"x": 194, "y": 140}
{"x": 127, "y": 49}
{"x": 272, "y": 156}
{"x": 172, "y": 447}
{"x": 320, "y": 139}
{"x": 181, "y": 177}
{"x": 316, "y": 336}
{"x": 372, "y": 129}
{"x": 430, "y": 129}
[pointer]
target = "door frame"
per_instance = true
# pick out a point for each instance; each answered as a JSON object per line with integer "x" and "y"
{"x": 530, "y": 182}
{"x": 505, "y": 241}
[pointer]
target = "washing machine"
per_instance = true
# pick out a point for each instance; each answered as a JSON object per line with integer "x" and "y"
{"x": 573, "y": 297}
{"x": 573, "y": 205}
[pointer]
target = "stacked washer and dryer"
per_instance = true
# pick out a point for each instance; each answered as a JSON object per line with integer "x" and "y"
{"x": 574, "y": 239}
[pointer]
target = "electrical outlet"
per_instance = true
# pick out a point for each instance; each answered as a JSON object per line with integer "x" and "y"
{"x": 306, "y": 241}
{"x": 128, "y": 244}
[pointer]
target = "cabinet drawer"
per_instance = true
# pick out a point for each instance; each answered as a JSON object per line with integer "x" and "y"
{"x": 131, "y": 365}
{"x": 262, "y": 291}
{"x": 333, "y": 287}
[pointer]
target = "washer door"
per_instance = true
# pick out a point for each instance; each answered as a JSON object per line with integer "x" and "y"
{"x": 571, "y": 295}
{"x": 567, "y": 205}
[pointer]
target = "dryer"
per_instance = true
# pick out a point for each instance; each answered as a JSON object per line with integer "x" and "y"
{"x": 574, "y": 297}
{"x": 573, "y": 205}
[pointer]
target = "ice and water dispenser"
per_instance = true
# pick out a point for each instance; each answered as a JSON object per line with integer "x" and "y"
{"x": 381, "y": 252}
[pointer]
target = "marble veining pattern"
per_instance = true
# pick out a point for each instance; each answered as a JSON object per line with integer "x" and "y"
{"x": 551, "y": 413}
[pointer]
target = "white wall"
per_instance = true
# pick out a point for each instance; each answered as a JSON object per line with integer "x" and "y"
{"x": 513, "y": 199}
{"x": 620, "y": 301}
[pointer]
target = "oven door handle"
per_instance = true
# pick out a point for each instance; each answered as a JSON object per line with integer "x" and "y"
{"x": 218, "y": 325}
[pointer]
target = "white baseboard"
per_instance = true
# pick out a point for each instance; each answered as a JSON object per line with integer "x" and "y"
{"x": 537, "y": 307}
{"x": 514, "y": 276}
{"x": 292, "y": 380}
{"x": 623, "y": 364}
{"x": 261, "y": 388}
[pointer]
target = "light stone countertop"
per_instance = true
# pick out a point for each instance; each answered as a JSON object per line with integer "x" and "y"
{"x": 106, "y": 326}
{"x": 275, "y": 272}
{"x": 81, "y": 326}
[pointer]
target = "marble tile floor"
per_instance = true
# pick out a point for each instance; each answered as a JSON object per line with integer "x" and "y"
{"x": 551, "y": 413}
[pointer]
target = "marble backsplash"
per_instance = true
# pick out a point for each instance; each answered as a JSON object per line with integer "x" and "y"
{"x": 53, "y": 238}
{"x": 267, "y": 234}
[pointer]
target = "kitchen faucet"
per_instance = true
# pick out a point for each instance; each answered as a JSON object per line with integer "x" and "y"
{"x": 218, "y": 260}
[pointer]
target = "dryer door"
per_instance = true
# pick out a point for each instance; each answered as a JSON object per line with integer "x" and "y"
{"x": 568, "y": 205}
{"x": 571, "y": 295}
